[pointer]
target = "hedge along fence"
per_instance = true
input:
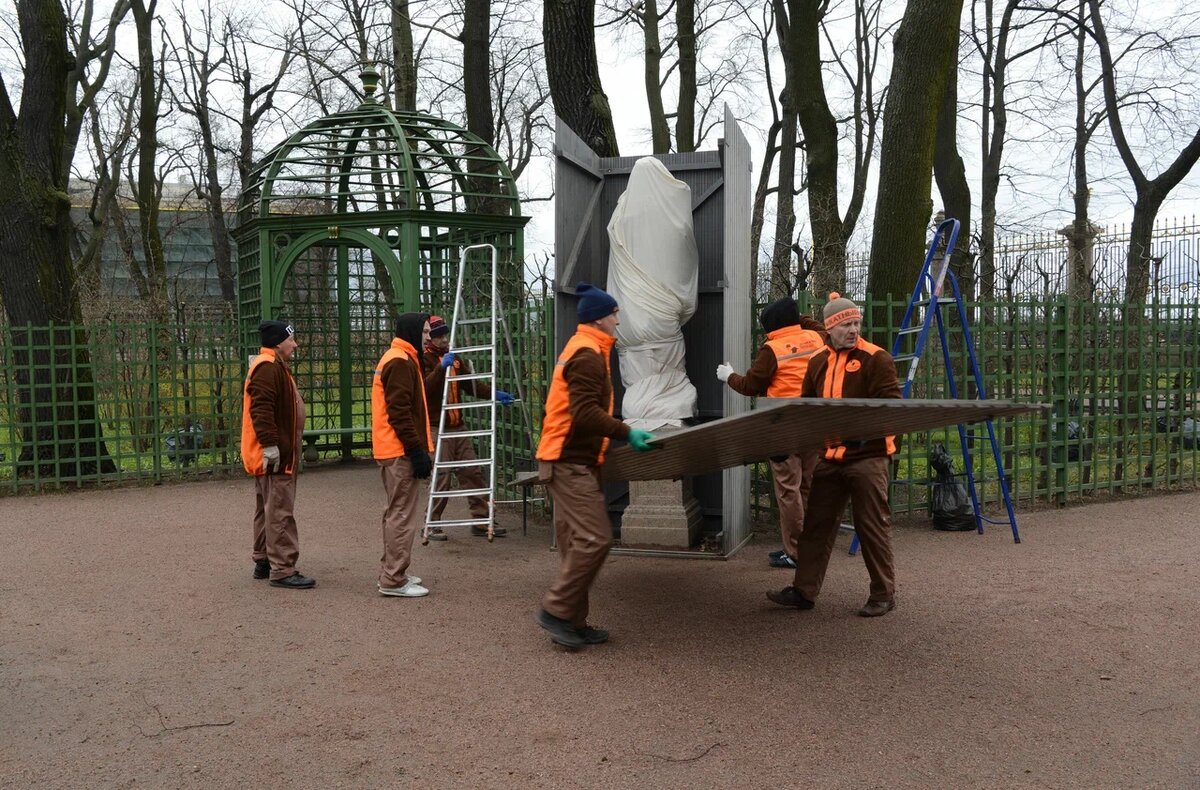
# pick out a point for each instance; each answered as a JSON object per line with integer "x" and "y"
{"x": 166, "y": 401}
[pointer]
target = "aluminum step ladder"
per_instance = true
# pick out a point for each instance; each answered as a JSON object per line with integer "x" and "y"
{"x": 473, "y": 334}
{"x": 924, "y": 310}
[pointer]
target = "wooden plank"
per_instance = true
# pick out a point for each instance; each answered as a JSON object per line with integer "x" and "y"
{"x": 791, "y": 425}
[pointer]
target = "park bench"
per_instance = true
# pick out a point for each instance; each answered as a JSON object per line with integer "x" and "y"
{"x": 312, "y": 435}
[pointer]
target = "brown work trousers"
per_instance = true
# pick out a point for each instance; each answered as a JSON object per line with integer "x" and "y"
{"x": 865, "y": 484}
{"x": 458, "y": 448}
{"x": 400, "y": 520}
{"x": 584, "y": 536}
{"x": 275, "y": 535}
{"x": 793, "y": 479}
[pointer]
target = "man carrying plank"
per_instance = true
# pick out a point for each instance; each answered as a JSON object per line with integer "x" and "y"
{"x": 858, "y": 472}
{"x": 575, "y": 434}
{"x": 778, "y": 372}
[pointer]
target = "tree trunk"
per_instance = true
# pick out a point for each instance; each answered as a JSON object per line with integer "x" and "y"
{"x": 759, "y": 211}
{"x": 477, "y": 92}
{"x": 404, "y": 66}
{"x": 951, "y": 176}
{"x": 782, "y": 280}
{"x": 660, "y": 133}
{"x": 1081, "y": 284}
{"x": 148, "y": 186}
{"x": 828, "y": 270}
{"x": 923, "y": 56}
{"x": 685, "y": 118}
{"x": 568, "y": 30}
{"x": 55, "y": 407}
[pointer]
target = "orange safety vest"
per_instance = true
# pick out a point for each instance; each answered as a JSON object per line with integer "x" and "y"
{"x": 384, "y": 442}
{"x": 252, "y": 450}
{"x": 556, "y": 426}
{"x": 840, "y": 363}
{"x": 454, "y": 417}
{"x": 794, "y": 346}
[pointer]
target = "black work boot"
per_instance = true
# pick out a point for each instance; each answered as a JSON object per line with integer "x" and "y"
{"x": 262, "y": 569}
{"x": 592, "y": 635}
{"x": 789, "y": 596}
{"x": 562, "y": 632}
{"x": 296, "y": 581}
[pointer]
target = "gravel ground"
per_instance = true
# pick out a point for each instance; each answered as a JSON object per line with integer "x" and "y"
{"x": 135, "y": 650}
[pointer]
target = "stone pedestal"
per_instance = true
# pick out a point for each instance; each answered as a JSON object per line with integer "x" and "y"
{"x": 661, "y": 513}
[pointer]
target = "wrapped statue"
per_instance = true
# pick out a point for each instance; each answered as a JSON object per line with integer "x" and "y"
{"x": 653, "y": 268}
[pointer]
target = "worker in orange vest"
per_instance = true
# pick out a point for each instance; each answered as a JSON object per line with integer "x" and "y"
{"x": 576, "y": 430}
{"x": 401, "y": 444}
{"x": 778, "y": 372}
{"x": 272, "y": 427}
{"x": 441, "y": 363}
{"x": 854, "y": 471}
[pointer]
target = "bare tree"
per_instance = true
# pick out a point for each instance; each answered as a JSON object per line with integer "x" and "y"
{"x": 1150, "y": 192}
{"x": 760, "y": 38}
{"x": 147, "y": 186}
{"x": 997, "y": 46}
{"x": 109, "y": 148}
{"x": 801, "y": 25}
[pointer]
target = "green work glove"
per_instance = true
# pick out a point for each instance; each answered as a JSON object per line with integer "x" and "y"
{"x": 640, "y": 440}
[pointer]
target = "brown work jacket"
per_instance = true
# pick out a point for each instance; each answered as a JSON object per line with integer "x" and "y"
{"x": 778, "y": 370}
{"x": 864, "y": 371}
{"x": 579, "y": 422}
{"x": 268, "y": 413}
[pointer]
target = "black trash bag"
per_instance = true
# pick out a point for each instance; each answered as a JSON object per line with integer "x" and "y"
{"x": 949, "y": 502}
{"x": 1074, "y": 434}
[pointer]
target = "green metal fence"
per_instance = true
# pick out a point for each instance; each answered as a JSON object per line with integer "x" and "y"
{"x": 165, "y": 400}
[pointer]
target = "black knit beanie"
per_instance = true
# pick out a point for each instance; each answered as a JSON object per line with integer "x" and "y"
{"x": 409, "y": 327}
{"x": 272, "y": 333}
{"x": 780, "y": 313}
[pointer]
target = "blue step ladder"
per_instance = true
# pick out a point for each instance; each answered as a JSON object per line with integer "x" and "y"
{"x": 924, "y": 309}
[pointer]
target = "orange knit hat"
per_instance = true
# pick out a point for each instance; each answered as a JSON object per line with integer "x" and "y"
{"x": 840, "y": 309}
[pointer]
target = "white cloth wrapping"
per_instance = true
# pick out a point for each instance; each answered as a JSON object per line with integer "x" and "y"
{"x": 653, "y": 268}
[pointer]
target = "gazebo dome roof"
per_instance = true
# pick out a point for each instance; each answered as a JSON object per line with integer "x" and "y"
{"x": 373, "y": 159}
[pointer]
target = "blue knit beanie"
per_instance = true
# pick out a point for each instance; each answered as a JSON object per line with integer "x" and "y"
{"x": 594, "y": 303}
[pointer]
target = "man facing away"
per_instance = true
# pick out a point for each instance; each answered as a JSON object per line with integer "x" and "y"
{"x": 401, "y": 444}
{"x": 440, "y": 363}
{"x": 778, "y": 372}
{"x": 856, "y": 471}
{"x": 272, "y": 428}
{"x": 577, "y": 428}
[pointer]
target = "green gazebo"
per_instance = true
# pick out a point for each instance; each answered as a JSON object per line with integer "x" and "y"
{"x": 354, "y": 219}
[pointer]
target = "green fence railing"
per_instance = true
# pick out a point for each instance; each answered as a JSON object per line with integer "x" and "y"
{"x": 118, "y": 401}
{"x": 111, "y": 402}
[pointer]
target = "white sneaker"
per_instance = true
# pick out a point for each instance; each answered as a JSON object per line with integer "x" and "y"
{"x": 409, "y": 590}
